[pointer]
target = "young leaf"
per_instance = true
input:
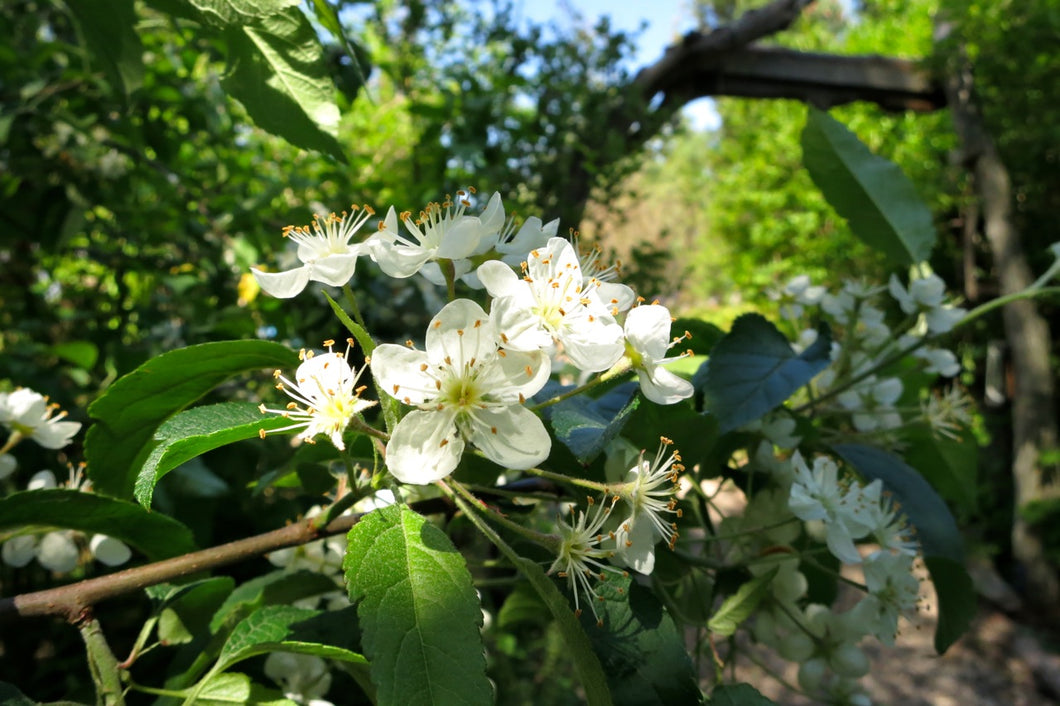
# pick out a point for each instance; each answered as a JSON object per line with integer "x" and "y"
{"x": 279, "y": 74}
{"x": 156, "y": 535}
{"x": 130, "y": 410}
{"x": 419, "y": 613}
{"x": 327, "y": 634}
{"x": 737, "y": 607}
{"x": 870, "y": 192}
{"x": 184, "y": 611}
{"x": 272, "y": 588}
{"x": 194, "y": 432}
{"x": 753, "y": 370}
{"x": 640, "y": 647}
{"x": 231, "y": 688}
{"x": 958, "y": 601}
{"x": 738, "y": 695}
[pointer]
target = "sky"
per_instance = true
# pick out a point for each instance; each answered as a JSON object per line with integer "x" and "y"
{"x": 666, "y": 21}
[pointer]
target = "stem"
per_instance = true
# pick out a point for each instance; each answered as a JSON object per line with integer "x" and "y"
{"x": 559, "y": 477}
{"x": 351, "y": 301}
{"x": 12, "y": 442}
{"x": 742, "y": 533}
{"x": 101, "y": 663}
{"x": 546, "y": 540}
{"x": 619, "y": 368}
{"x": 449, "y": 272}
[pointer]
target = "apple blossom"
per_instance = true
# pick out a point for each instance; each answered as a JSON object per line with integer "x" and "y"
{"x": 647, "y": 330}
{"x": 29, "y": 415}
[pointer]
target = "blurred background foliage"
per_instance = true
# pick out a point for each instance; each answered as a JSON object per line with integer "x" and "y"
{"x": 130, "y": 214}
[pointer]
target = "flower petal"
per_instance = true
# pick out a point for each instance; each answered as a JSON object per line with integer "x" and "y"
{"x": 513, "y": 437}
{"x": 648, "y": 330}
{"x": 424, "y": 447}
{"x": 459, "y": 332}
{"x": 499, "y": 279}
{"x": 398, "y": 371}
{"x": 663, "y": 387}
{"x": 282, "y": 285}
{"x": 335, "y": 270}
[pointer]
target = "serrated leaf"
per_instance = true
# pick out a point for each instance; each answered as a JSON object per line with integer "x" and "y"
{"x": 272, "y": 588}
{"x": 278, "y": 72}
{"x": 585, "y": 425}
{"x": 754, "y": 370}
{"x": 108, "y": 27}
{"x": 738, "y": 695}
{"x": 156, "y": 535}
{"x": 194, "y": 432}
{"x": 419, "y": 613}
{"x": 222, "y": 13}
{"x": 232, "y": 688}
{"x": 738, "y": 607}
{"x": 935, "y": 527}
{"x": 185, "y": 611}
{"x": 640, "y": 648}
{"x": 130, "y": 410}
{"x": 870, "y": 192}
{"x": 327, "y": 634}
{"x": 958, "y": 600}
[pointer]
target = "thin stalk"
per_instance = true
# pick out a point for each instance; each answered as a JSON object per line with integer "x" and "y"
{"x": 622, "y": 366}
{"x": 102, "y": 664}
{"x": 559, "y": 477}
{"x": 546, "y": 540}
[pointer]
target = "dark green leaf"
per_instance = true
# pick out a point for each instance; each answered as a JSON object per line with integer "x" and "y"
{"x": 108, "y": 27}
{"x": 870, "y": 192}
{"x": 279, "y": 75}
{"x": 640, "y": 648}
{"x": 132, "y": 408}
{"x": 196, "y": 431}
{"x": 739, "y": 606}
{"x": 419, "y": 613}
{"x": 327, "y": 634}
{"x": 738, "y": 695}
{"x": 10, "y": 696}
{"x": 586, "y": 425}
{"x": 935, "y": 527}
{"x": 753, "y": 370}
{"x": 272, "y": 588}
{"x": 522, "y": 605}
{"x": 950, "y": 465}
{"x": 958, "y": 600}
{"x": 156, "y": 535}
{"x": 185, "y": 611}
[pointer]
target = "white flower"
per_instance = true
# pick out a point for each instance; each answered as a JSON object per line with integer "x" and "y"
{"x": 820, "y": 495}
{"x": 513, "y": 247}
{"x": 797, "y": 294}
{"x": 303, "y": 678}
{"x": 890, "y": 529}
{"x": 579, "y": 555}
{"x": 647, "y": 330}
{"x": 325, "y": 250}
{"x": 942, "y": 319}
{"x": 28, "y": 414}
{"x": 8, "y": 464}
{"x": 108, "y": 550}
{"x": 872, "y": 402}
{"x": 443, "y": 231}
{"x": 553, "y": 304}
{"x": 925, "y": 296}
{"x": 893, "y": 591}
{"x": 327, "y": 386}
{"x": 948, "y": 413}
{"x": 940, "y": 361}
{"x": 649, "y": 491}
{"x": 615, "y": 297}
{"x": 466, "y": 388}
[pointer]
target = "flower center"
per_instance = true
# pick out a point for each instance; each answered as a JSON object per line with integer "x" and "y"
{"x": 462, "y": 392}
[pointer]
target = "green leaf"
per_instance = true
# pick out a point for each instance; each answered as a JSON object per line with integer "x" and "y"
{"x": 958, "y": 601}
{"x": 108, "y": 28}
{"x": 586, "y": 663}
{"x": 11, "y": 696}
{"x": 870, "y": 192}
{"x": 935, "y": 527}
{"x": 640, "y": 648}
{"x": 272, "y": 588}
{"x": 83, "y": 354}
{"x": 523, "y": 605}
{"x": 739, "y": 606}
{"x": 738, "y": 695}
{"x": 194, "y": 432}
{"x": 419, "y": 613}
{"x": 948, "y": 464}
{"x": 586, "y": 425}
{"x": 278, "y": 73}
{"x": 231, "y": 688}
{"x": 185, "y": 611}
{"x": 328, "y": 634}
{"x": 753, "y": 370}
{"x": 156, "y": 535}
{"x": 130, "y": 410}
{"x": 222, "y": 13}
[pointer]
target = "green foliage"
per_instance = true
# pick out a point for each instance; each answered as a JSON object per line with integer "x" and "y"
{"x": 157, "y": 536}
{"x": 752, "y": 370}
{"x": 737, "y": 695}
{"x": 331, "y": 634}
{"x": 586, "y": 425}
{"x": 870, "y": 192}
{"x": 412, "y": 589}
{"x": 739, "y": 606}
{"x": 958, "y": 604}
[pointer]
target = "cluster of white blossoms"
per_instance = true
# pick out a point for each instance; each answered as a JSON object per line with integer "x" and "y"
{"x": 872, "y": 402}
{"x": 470, "y": 386}
{"x": 62, "y": 551}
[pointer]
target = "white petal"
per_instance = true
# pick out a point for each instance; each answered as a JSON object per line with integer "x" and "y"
{"x": 55, "y": 435}
{"x": 648, "y": 330}
{"x": 24, "y": 406}
{"x": 400, "y": 261}
{"x": 595, "y": 346}
{"x": 513, "y": 437}
{"x": 40, "y": 480}
{"x": 424, "y": 447}
{"x": 636, "y": 546}
{"x": 57, "y": 552}
{"x": 520, "y": 329}
{"x": 663, "y": 387}
{"x": 615, "y": 295}
{"x": 460, "y": 331}
{"x": 109, "y": 551}
{"x": 335, "y": 270}
{"x": 523, "y": 373}
{"x": 397, "y": 371}
{"x": 492, "y": 217}
{"x": 461, "y": 239}
{"x": 282, "y": 285}
{"x": 19, "y": 551}
{"x": 499, "y": 279}
{"x": 8, "y": 464}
